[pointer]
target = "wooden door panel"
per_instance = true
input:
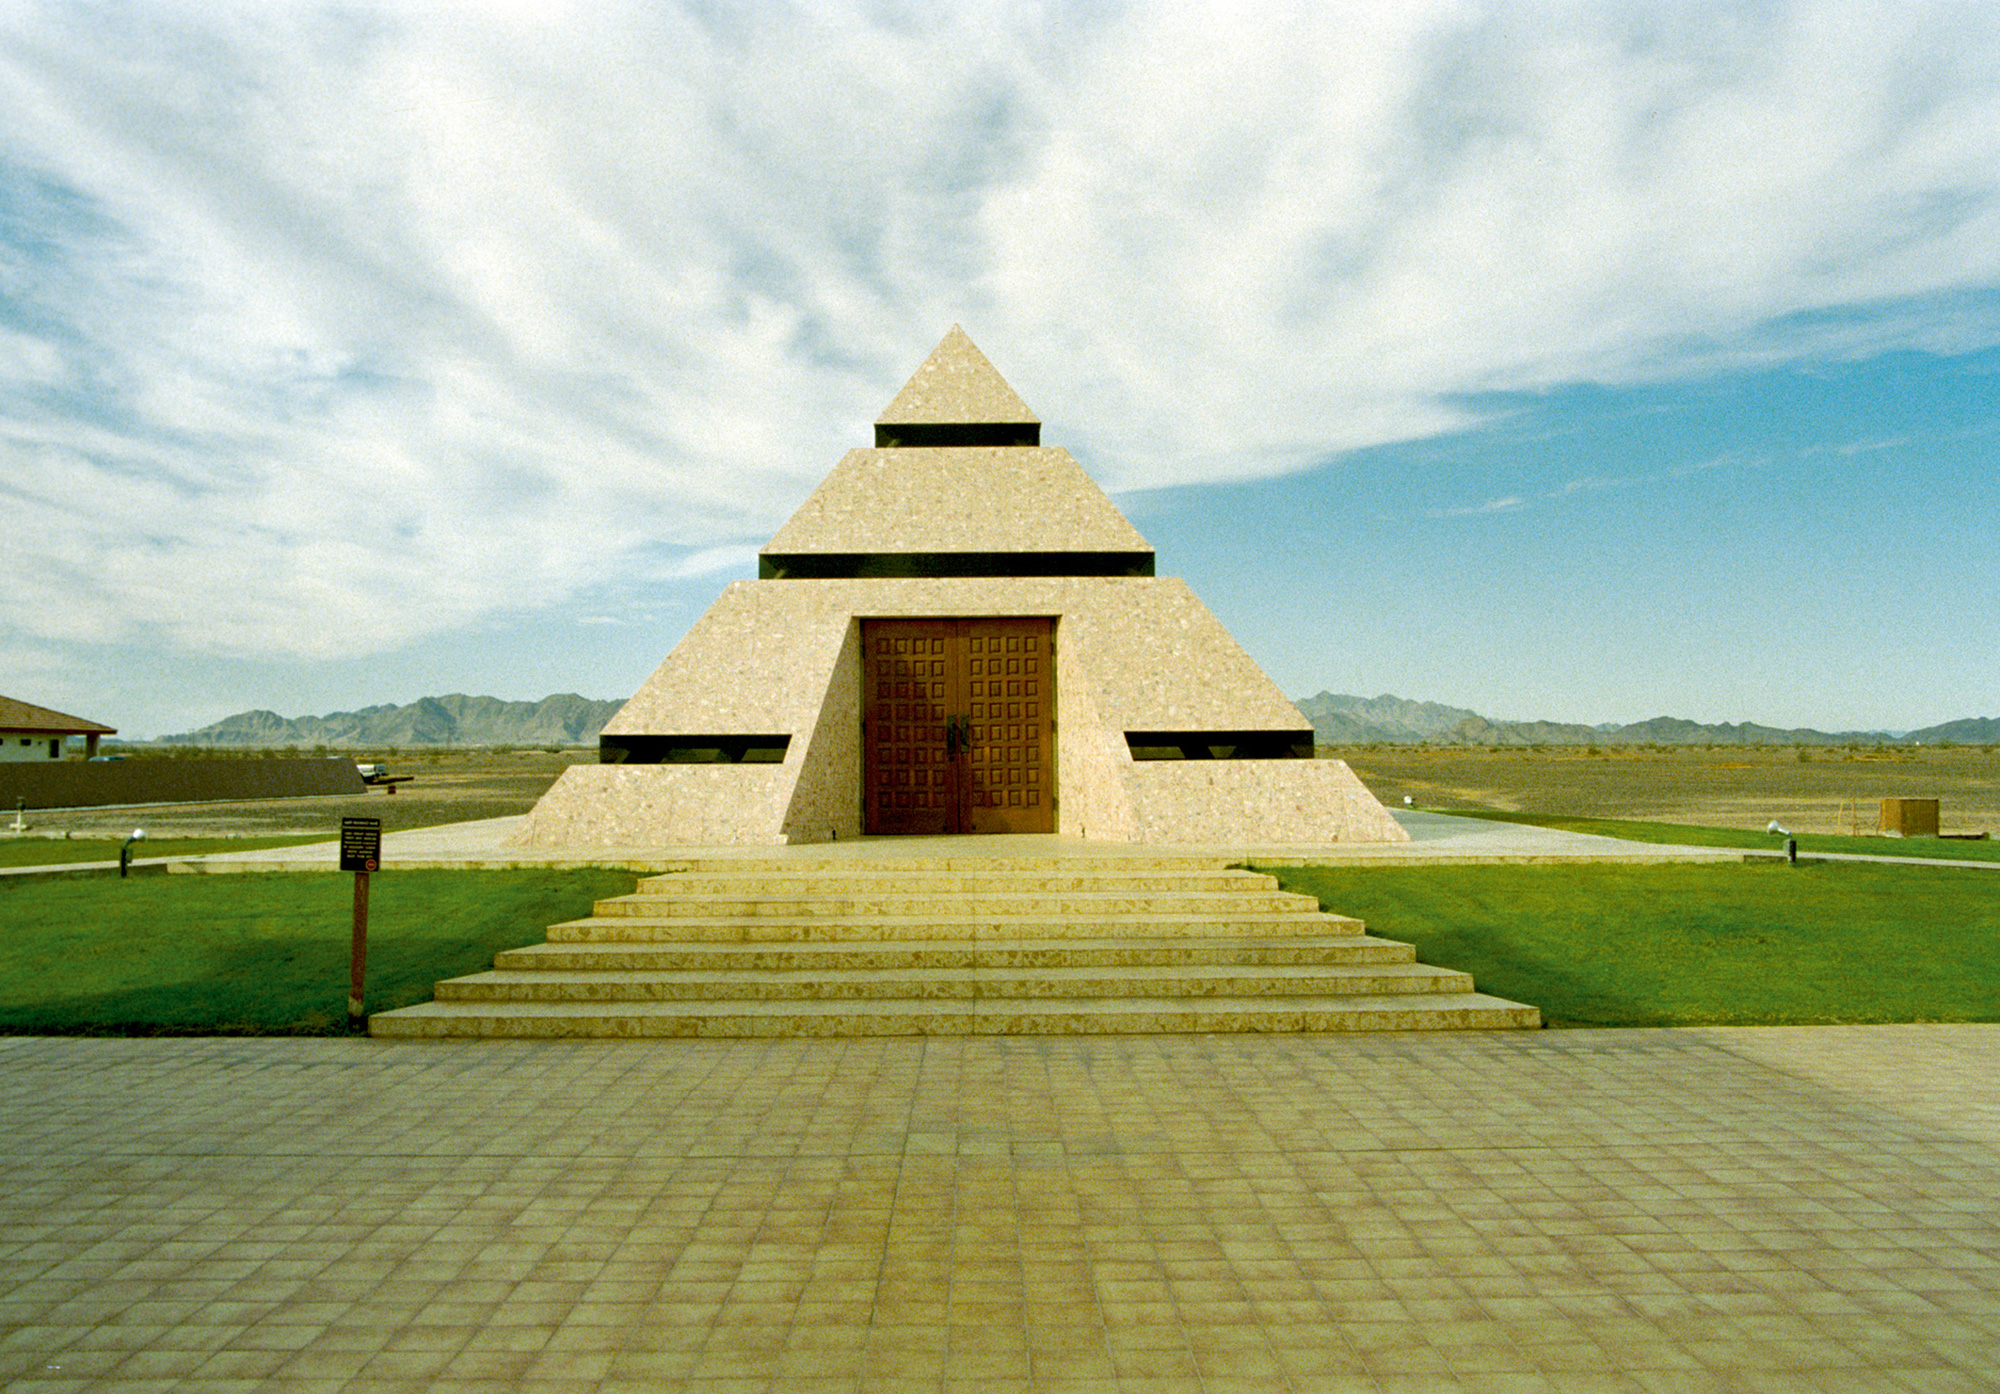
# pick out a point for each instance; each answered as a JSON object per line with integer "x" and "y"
{"x": 908, "y": 690}
{"x": 1010, "y": 699}
{"x": 958, "y": 722}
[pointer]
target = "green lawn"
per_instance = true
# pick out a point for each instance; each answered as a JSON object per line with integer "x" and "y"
{"x": 259, "y": 952}
{"x": 1592, "y": 945}
{"x": 1691, "y": 835}
{"x": 56, "y": 851}
{"x": 1690, "y": 944}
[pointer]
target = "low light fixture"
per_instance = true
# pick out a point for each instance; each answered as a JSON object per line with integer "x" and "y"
{"x": 1791, "y": 842}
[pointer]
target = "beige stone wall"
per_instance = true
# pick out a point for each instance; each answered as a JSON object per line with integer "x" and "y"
{"x": 1162, "y": 662}
{"x": 759, "y": 661}
{"x": 1132, "y": 653}
{"x": 1255, "y": 802}
{"x": 1091, "y": 758}
{"x": 962, "y": 499}
{"x": 661, "y": 806}
{"x": 826, "y": 801}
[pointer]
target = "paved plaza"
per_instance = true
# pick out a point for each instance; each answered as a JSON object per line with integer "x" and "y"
{"x": 1718, "y": 1209}
{"x": 1435, "y": 839}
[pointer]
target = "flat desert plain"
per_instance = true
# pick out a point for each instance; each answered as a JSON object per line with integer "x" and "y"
{"x": 1818, "y": 789}
{"x": 1808, "y": 789}
{"x": 446, "y": 786}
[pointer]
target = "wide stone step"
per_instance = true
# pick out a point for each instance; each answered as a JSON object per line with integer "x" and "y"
{"x": 853, "y": 946}
{"x": 945, "y": 953}
{"x": 891, "y": 903}
{"x": 957, "y": 923}
{"x": 958, "y": 1017}
{"x": 931, "y": 984}
{"x": 830, "y": 862}
{"x": 870, "y": 884}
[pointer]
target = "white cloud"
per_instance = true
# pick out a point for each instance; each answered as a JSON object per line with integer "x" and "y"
{"x": 1513, "y": 503}
{"x": 710, "y": 560}
{"x": 324, "y": 328}
{"x": 1590, "y": 484}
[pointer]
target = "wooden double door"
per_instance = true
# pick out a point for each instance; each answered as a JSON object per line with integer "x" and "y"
{"x": 958, "y": 725}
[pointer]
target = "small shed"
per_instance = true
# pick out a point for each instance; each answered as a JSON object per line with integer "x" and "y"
{"x": 1910, "y": 817}
{"x": 29, "y": 732}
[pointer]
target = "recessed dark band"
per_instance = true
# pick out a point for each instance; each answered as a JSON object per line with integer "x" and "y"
{"x": 1220, "y": 745}
{"x": 843, "y": 566}
{"x": 692, "y": 750}
{"x": 904, "y": 435}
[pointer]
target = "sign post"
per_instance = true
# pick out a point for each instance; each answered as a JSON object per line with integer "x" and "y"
{"x": 360, "y": 853}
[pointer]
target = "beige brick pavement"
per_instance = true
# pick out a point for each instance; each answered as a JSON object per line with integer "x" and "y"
{"x": 1777, "y": 1210}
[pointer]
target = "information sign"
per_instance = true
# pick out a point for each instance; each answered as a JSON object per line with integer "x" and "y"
{"x": 360, "y": 844}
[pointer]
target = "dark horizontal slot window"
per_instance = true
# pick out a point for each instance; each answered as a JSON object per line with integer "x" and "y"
{"x": 957, "y": 433}
{"x": 845, "y": 566}
{"x": 692, "y": 750}
{"x": 1220, "y": 745}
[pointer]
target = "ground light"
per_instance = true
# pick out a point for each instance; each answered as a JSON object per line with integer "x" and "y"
{"x": 1791, "y": 842}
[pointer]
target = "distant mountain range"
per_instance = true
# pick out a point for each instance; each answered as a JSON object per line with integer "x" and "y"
{"x": 454, "y": 719}
{"x": 567, "y": 719}
{"x": 1342, "y": 720}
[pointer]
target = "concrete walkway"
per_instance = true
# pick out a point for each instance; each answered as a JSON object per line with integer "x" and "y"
{"x": 1756, "y": 1210}
{"x": 1434, "y": 839}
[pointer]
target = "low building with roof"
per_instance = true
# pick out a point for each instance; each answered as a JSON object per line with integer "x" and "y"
{"x": 32, "y": 733}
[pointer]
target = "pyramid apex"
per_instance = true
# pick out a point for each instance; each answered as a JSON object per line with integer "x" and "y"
{"x": 959, "y": 397}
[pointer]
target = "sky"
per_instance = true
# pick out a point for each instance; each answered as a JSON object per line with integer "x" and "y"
{"x": 1568, "y": 361}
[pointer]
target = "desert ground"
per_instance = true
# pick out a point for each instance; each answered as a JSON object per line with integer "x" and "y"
{"x": 1808, "y": 789}
{"x": 447, "y": 786}
{"x": 1818, "y": 789}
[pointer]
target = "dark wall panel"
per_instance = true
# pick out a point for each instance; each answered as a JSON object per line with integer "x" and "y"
{"x": 72, "y": 784}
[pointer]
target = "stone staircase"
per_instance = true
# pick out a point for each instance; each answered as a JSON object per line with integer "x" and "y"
{"x": 949, "y": 946}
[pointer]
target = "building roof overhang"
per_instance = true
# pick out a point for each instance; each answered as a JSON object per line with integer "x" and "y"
{"x": 25, "y": 718}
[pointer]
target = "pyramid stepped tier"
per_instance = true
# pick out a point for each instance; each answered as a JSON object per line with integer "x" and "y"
{"x": 926, "y": 946}
{"x": 957, "y": 398}
{"x": 957, "y": 512}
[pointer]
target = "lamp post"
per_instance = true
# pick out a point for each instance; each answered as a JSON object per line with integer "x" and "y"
{"x": 1791, "y": 842}
{"x": 125, "y": 852}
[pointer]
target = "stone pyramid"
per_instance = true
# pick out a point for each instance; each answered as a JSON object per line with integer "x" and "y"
{"x": 958, "y": 632}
